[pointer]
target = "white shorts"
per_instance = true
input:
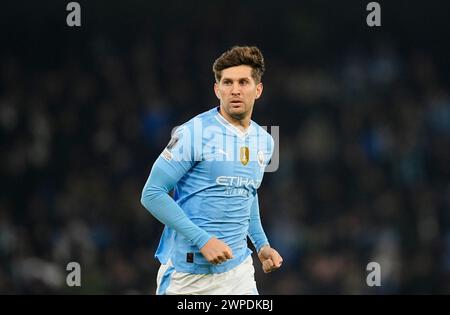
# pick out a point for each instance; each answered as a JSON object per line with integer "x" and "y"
{"x": 237, "y": 281}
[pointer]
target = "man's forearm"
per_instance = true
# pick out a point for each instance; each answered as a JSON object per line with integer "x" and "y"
{"x": 255, "y": 230}
{"x": 156, "y": 200}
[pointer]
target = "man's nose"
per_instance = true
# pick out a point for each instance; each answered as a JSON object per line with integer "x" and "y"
{"x": 236, "y": 90}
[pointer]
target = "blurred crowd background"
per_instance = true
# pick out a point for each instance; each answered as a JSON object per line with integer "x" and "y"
{"x": 364, "y": 116}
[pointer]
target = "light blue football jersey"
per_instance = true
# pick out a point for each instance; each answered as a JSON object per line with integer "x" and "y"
{"x": 216, "y": 169}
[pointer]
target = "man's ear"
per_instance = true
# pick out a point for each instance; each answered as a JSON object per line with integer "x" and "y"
{"x": 216, "y": 90}
{"x": 259, "y": 89}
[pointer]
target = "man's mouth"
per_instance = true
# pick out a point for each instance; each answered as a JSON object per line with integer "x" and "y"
{"x": 236, "y": 102}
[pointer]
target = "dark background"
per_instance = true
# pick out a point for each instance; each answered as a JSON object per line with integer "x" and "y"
{"x": 364, "y": 116}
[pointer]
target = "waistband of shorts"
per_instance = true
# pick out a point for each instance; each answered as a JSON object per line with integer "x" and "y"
{"x": 207, "y": 269}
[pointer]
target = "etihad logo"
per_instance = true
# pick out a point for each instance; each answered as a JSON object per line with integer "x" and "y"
{"x": 237, "y": 181}
{"x": 245, "y": 155}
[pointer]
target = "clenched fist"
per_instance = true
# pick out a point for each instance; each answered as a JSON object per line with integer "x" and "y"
{"x": 270, "y": 259}
{"x": 216, "y": 252}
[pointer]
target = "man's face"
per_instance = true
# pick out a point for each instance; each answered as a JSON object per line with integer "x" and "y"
{"x": 237, "y": 91}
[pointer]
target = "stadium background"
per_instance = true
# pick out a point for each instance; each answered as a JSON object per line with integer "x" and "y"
{"x": 364, "y": 116}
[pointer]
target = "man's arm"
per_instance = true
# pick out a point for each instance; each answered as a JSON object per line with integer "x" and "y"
{"x": 156, "y": 200}
{"x": 175, "y": 161}
{"x": 255, "y": 229}
{"x": 269, "y": 257}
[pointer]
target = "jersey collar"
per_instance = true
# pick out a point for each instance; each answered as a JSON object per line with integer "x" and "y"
{"x": 230, "y": 126}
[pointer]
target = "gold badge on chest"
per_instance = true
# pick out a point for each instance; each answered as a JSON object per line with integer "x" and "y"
{"x": 245, "y": 155}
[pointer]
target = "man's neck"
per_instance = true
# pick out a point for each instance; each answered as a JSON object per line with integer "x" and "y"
{"x": 241, "y": 124}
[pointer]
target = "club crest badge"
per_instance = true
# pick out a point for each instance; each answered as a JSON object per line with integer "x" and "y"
{"x": 260, "y": 158}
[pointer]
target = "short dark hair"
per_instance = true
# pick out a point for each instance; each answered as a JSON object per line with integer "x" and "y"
{"x": 241, "y": 55}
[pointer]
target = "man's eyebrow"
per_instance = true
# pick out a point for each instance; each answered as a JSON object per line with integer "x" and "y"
{"x": 238, "y": 79}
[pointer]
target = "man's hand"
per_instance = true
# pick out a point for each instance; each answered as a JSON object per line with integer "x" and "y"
{"x": 269, "y": 258}
{"x": 216, "y": 251}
